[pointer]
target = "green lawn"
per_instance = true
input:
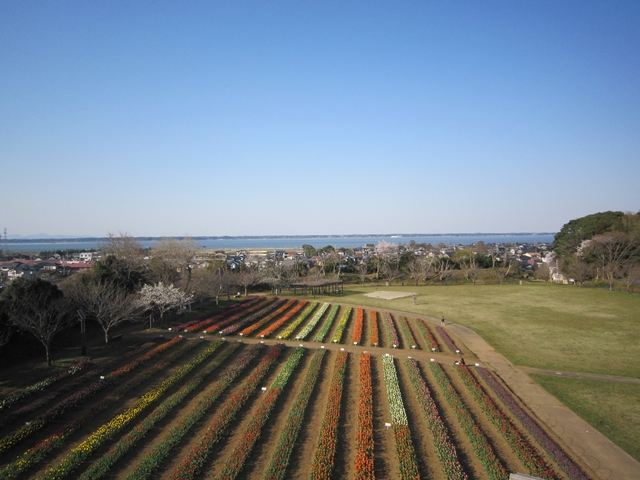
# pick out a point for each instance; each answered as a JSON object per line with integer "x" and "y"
{"x": 613, "y": 408}
{"x": 536, "y": 324}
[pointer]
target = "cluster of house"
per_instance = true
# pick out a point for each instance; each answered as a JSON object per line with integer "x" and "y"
{"x": 529, "y": 257}
{"x": 19, "y": 268}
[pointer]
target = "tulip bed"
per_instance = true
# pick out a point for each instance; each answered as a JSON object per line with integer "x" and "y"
{"x": 481, "y": 446}
{"x": 445, "y": 448}
{"x": 407, "y": 461}
{"x": 38, "y": 452}
{"x": 309, "y": 326}
{"x": 233, "y": 328}
{"x": 280, "y": 458}
{"x": 553, "y": 449}
{"x": 233, "y": 466}
{"x": 428, "y": 335}
{"x": 342, "y": 324}
{"x": 326, "y": 325}
{"x": 324, "y": 457}
{"x": 363, "y": 468}
{"x": 447, "y": 339}
{"x": 392, "y": 333}
{"x": 38, "y": 387}
{"x": 79, "y": 398}
{"x": 102, "y": 466}
{"x": 263, "y": 321}
{"x": 357, "y": 329}
{"x": 521, "y": 447}
{"x": 262, "y": 308}
{"x": 195, "y": 459}
{"x": 282, "y": 320}
{"x": 299, "y": 319}
{"x": 373, "y": 327}
{"x": 196, "y": 325}
{"x": 406, "y": 331}
{"x": 106, "y": 431}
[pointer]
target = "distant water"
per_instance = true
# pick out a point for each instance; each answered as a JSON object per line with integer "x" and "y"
{"x": 240, "y": 243}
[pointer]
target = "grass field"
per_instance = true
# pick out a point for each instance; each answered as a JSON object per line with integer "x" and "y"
{"x": 536, "y": 324}
{"x": 618, "y": 419}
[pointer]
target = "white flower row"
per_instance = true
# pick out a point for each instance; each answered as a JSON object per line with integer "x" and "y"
{"x": 312, "y": 323}
{"x": 396, "y": 406}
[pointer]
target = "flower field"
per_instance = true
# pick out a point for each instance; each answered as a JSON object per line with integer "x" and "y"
{"x": 195, "y": 406}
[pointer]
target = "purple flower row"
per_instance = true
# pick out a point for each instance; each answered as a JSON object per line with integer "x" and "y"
{"x": 569, "y": 466}
{"x": 447, "y": 339}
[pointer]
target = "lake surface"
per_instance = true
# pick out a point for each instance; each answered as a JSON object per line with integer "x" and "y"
{"x": 336, "y": 241}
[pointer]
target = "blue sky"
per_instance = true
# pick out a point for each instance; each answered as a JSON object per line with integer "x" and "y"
{"x": 266, "y": 118}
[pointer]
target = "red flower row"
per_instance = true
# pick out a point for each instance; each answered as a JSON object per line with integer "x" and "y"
{"x": 364, "y": 466}
{"x": 261, "y": 308}
{"x": 244, "y": 307}
{"x": 252, "y": 328}
{"x": 326, "y": 451}
{"x": 428, "y": 335}
{"x": 392, "y": 333}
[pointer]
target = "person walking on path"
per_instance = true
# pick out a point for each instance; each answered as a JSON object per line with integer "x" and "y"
{"x": 442, "y": 322}
{"x": 415, "y": 300}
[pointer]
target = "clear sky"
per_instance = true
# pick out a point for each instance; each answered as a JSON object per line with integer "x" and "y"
{"x": 316, "y": 117}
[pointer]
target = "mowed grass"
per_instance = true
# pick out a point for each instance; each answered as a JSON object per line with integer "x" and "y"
{"x": 539, "y": 325}
{"x": 619, "y": 421}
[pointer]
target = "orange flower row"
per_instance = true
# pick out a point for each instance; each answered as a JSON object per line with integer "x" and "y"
{"x": 268, "y": 318}
{"x": 285, "y": 318}
{"x": 357, "y": 331}
{"x": 373, "y": 323}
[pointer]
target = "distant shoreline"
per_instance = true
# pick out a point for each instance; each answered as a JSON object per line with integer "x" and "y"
{"x": 399, "y": 236}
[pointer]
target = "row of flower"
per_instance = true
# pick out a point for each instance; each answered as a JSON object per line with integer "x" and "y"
{"x": 407, "y": 461}
{"x": 82, "y": 451}
{"x": 286, "y": 333}
{"x": 255, "y": 312}
{"x": 445, "y": 448}
{"x": 280, "y": 459}
{"x": 406, "y": 331}
{"x": 193, "y": 462}
{"x": 357, "y": 329}
{"x": 282, "y": 320}
{"x": 150, "y": 463}
{"x": 427, "y": 334}
{"x": 43, "y": 400}
{"x": 79, "y": 398}
{"x": 309, "y": 326}
{"x": 326, "y": 325}
{"x": 38, "y": 387}
{"x": 101, "y": 466}
{"x": 521, "y": 447}
{"x": 447, "y": 339}
{"x": 244, "y": 320}
{"x": 228, "y": 316}
{"x": 197, "y": 324}
{"x": 263, "y": 321}
{"x": 342, "y": 324}
{"x": 478, "y": 440}
{"x": 363, "y": 468}
{"x": 231, "y": 469}
{"x": 392, "y": 333}
{"x": 38, "y": 452}
{"x": 374, "y": 333}
{"x": 324, "y": 457}
{"x": 553, "y": 449}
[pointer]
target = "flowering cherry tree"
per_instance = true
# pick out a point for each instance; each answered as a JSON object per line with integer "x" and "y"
{"x": 164, "y": 298}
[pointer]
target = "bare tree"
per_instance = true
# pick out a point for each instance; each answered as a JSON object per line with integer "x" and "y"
{"x": 363, "y": 270}
{"x": 615, "y": 249}
{"x": 172, "y": 256}
{"x": 415, "y": 269}
{"x": 630, "y": 275}
{"x": 39, "y": 308}
{"x": 248, "y": 278}
{"x": 127, "y": 250}
{"x": 107, "y": 303}
{"x": 503, "y": 270}
{"x": 579, "y": 270}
